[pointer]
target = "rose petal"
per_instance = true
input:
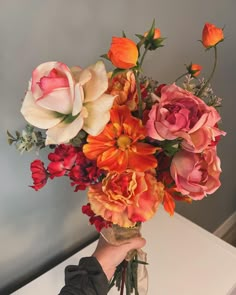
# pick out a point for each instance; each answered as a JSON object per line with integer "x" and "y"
{"x": 42, "y": 70}
{"x": 79, "y": 99}
{"x": 58, "y": 100}
{"x": 98, "y": 83}
{"x": 98, "y": 114}
{"x": 62, "y": 133}
{"x": 36, "y": 115}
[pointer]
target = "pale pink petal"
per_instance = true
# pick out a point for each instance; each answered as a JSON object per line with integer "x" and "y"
{"x": 80, "y": 75}
{"x": 84, "y": 76}
{"x": 98, "y": 114}
{"x": 58, "y": 100}
{"x": 79, "y": 99}
{"x": 64, "y": 68}
{"x": 98, "y": 84}
{"x": 63, "y": 133}
{"x": 36, "y": 115}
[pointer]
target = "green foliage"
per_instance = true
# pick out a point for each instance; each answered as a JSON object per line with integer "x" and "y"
{"x": 27, "y": 140}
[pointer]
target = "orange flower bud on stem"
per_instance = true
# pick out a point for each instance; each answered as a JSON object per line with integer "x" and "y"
{"x": 211, "y": 35}
{"x": 123, "y": 53}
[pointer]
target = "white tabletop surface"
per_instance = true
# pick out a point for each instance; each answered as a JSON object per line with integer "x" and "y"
{"x": 183, "y": 258}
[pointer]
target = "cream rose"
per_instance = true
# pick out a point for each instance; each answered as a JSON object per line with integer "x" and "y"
{"x": 64, "y": 100}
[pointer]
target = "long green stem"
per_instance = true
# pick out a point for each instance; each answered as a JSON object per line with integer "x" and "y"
{"x": 136, "y": 74}
{"x": 125, "y": 263}
{"x": 181, "y": 77}
{"x": 212, "y": 74}
{"x": 144, "y": 53}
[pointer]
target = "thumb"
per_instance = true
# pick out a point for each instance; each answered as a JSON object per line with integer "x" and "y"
{"x": 134, "y": 243}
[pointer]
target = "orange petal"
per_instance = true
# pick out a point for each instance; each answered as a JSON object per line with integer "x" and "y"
{"x": 141, "y": 163}
{"x": 144, "y": 148}
{"x": 168, "y": 203}
{"x": 113, "y": 160}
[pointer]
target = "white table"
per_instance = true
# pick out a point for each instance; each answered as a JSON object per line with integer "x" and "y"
{"x": 184, "y": 259}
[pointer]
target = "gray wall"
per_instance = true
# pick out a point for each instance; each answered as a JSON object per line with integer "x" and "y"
{"x": 37, "y": 228}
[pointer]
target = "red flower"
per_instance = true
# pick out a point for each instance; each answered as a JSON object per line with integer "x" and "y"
{"x": 62, "y": 160}
{"x": 84, "y": 172}
{"x": 39, "y": 174}
{"x": 98, "y": 221}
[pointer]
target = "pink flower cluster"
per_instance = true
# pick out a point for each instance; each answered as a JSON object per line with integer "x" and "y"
{"x": 178, "y": 114}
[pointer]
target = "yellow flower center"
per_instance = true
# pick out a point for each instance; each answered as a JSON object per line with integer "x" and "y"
{"x": 123, "y": 142}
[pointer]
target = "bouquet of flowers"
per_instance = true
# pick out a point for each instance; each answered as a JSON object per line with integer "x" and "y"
{"x": 133, "y": 142}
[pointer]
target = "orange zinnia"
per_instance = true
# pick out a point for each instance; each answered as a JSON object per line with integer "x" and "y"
{"x": 118, "y": 147}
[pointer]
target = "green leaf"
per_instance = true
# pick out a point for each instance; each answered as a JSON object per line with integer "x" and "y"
{"x": 151, "y": 32}
{"x": 17, "y": 134}
{"x": 10, "y": 141}
{"x": 105, "y": 56}
{"x": 10, "y": 135}
{"x": 69, "y": 118}
{"x": 139, "y": 36}
{"x": 117, "y": 71}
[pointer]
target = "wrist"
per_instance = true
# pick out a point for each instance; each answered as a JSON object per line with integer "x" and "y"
{"x": 107, "y": 269}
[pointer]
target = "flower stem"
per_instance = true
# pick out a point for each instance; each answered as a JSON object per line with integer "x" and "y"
{"x": 212, "y": 74}
{"x": 136, "y": 74}
{"x": 144, "y": 53}
{"x": 181, "y": 77}
{"x": 125, "y": 263}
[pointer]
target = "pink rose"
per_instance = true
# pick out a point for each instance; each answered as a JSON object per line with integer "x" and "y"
{"x": 65, "y": 100}
{"x": 180, "y": 114}
{"x": 196, "y": 175}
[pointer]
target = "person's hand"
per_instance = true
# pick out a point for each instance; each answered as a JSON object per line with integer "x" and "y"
{"x": 110, "y": 256}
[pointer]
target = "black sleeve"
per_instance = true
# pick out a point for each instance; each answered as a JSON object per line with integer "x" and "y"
{"x": 87, "y": 278}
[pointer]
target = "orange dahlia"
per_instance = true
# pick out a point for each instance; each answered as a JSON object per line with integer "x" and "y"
{"x": 126, "y": 198}
{"x": 119, "y": 146}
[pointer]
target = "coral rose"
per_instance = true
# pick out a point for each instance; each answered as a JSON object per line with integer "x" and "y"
{"x": 64, "y": 100}
{"x": 180, "y": 114}
{"x": 196, "y": 175}
{"x": 126, "y": 198}
{"x": 123, "y": 53}
{"x": 120, "y": 145}
{"x": 211, "y": 35}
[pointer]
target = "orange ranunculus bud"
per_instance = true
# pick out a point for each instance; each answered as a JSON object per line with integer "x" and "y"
{"x": 194, "y": 69}
{"x": 123, "y": 53}
{"x": 211, "y": 35}
{"x": 157, "y": 33}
